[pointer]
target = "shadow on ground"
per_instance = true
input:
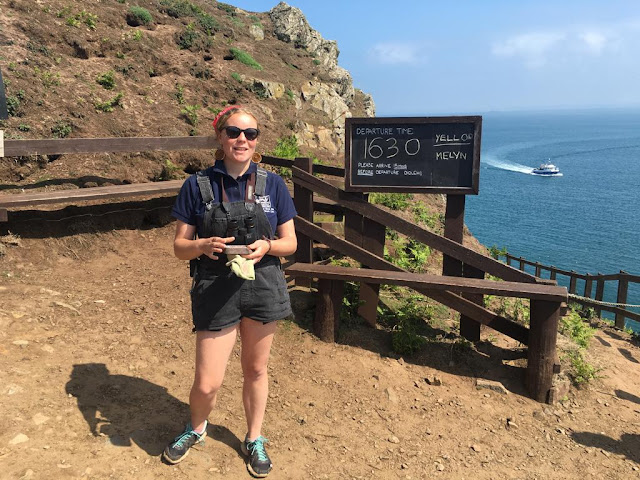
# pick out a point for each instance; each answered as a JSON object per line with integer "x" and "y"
{"x": 130, "y": 410}
{"x": 444, "y": 352}
{"x": 628, "y": 445}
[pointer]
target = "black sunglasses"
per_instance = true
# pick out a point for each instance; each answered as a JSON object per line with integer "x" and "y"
{"x": 249, "y": 133}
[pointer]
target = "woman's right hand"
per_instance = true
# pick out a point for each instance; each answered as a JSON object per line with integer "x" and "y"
{"x": 212, "y": 245}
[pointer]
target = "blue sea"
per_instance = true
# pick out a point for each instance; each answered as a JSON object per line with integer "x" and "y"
{"x": 588, "y": 219}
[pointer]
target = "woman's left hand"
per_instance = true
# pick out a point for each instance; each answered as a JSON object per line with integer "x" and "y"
{"x": 259, "y": 249}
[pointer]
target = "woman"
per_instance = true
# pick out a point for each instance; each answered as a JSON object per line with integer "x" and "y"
{"x": 234, "y": 202}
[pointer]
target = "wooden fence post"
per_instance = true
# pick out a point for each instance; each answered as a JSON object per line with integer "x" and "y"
{"x": 623, "y": 286}
{"x": 572, "y": 282}
{"x": 356, "y": 230}
{"x": 588, "y": 285}
{"x": 521, "y": 263}
{"x": 374, "y": 235}
{"x": 541, "y": 354}
{"x": 553, "y": 273}
{"x": 538, "y": 268}
{"x": 327, "y": 319}
{"x": 470, "y": 329}
{"x": 599, "y": 292}
{"x": 303, "y": 201}
{"x": 454, "y": 230}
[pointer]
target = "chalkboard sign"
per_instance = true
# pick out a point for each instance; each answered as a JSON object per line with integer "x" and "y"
{"x": 413, "y": 154}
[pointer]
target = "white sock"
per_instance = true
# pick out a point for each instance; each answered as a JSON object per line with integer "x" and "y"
{"x": 203, "y": 429}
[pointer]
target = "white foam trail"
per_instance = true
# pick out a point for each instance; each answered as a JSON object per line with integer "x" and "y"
{"x": 506, "y": 165}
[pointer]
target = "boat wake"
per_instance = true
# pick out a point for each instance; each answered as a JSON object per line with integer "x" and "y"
{"x": 506, "y": 165}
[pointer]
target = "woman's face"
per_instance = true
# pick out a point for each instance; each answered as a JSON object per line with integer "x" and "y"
{"x": 238, "y": 149}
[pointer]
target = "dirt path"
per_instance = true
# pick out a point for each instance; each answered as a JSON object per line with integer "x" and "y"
{"x": 97, "y": 353}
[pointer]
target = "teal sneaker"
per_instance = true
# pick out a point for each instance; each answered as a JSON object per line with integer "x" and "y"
{"x": 258, "y": 462}
{"x": 179, "y": 448}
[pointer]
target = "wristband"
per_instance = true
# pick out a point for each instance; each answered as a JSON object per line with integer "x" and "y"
{"x": 269, "y": 242}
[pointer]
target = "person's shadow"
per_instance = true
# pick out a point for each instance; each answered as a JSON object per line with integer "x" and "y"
{"x": 128, "y": 409}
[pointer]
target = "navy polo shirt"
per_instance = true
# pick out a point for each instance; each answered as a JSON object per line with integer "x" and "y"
{"x": 276, "y": 202}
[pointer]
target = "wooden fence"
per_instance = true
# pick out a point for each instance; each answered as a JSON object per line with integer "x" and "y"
{"x": 594, "y": 287}
{"x": 364, "y": 237}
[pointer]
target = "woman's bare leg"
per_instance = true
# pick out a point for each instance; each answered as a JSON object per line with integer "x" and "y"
{"x": 256, "y": 346}
{"x": 212, "y": 354}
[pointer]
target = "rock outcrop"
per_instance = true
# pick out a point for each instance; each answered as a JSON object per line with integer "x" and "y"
{"x": 334, "y": 97}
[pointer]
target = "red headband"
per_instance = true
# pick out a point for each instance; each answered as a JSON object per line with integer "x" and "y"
{"x": 223, "y": 111}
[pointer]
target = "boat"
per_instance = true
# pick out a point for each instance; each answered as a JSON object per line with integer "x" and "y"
{"x": 547, "y": 169}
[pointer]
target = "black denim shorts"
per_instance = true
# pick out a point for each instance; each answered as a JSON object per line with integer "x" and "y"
{"x": 220, "y": 301}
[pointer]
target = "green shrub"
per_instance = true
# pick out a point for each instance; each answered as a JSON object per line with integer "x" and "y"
{"x": 350, "y": 304}
{"x": 187, "y": 38}
{"x": 207, "y": 23}
{"x": 47, "y": 78}
{"x": 190, "y": 112}
{"x": 191, "y": 39}
{"x": 286, "y": 147}
{"x": 575, "y": 328}
{"x": 581, "y": 372}
{"x": 245, "y": 58}
{"x": 169, "y": 171}
{"x": 394, "y": 201}
{"x": 183, "y": 8}
{"x": 177, "y": 8}
{"x": 73, "y": 20}
{"x": 237, "y": 77}
{"x": 89, "y": 19}
{"x": 139, "y": 16}
{"x": 13, "y": 103}
{"x": 422, "y": 215}
{"x": 179, "y": 94}
{"x": 409, "y": 254}
{"x": 228, "y": 9}
{"x": 110, "y": 104}
{"x": 496, "y": 252}
{"x": 107, "y": 80}
{"x": 61, "y": 130}
{"x": 24, "y": 127}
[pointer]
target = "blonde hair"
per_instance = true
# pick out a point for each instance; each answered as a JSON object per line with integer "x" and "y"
{"x": 222, "y": 117}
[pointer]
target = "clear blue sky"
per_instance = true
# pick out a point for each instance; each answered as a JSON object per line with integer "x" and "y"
{"x": 422, "y": 57}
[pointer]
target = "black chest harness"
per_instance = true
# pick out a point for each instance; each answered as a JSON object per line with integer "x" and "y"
{"x": 243, "y": 220}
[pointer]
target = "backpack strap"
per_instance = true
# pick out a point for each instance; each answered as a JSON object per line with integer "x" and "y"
{"x": 206, "y": 192}
{"x": 261, "y": 182}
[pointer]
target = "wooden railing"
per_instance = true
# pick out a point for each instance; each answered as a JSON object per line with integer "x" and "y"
{"x": 594, "y": 287}
{"x": 365, "y": 225}
{"x": 364, "y": 237}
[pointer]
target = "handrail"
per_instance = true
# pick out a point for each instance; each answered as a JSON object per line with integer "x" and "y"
{"x": 446, "y": 246}
{"x": 622, "y": 278}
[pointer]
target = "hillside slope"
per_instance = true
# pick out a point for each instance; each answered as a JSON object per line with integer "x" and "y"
{"x": 165, "y": 68}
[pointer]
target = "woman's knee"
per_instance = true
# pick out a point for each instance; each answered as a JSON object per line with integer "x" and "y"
{"x": 253, "y": 371}
{"x": 206, "y": 388}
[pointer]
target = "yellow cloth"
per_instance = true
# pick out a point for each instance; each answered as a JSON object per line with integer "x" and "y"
{"x": 241, "y": 267}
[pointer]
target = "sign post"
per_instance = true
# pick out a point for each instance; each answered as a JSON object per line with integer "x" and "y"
{"x": 4, "y": 114}
{"x": 417, "y": 155}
